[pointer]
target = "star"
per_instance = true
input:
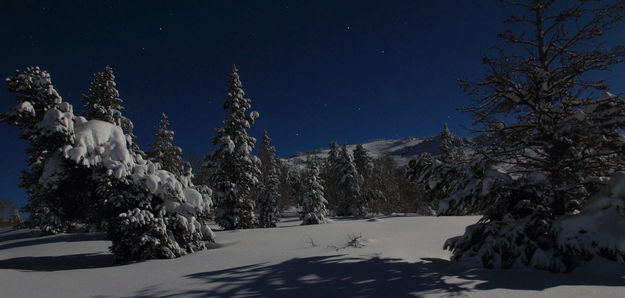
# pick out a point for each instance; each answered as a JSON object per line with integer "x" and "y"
{"x": 160, "y": 28}
{"x": 358, "y": 109}
{"x": 347, "y": 28}
{"x": 382, "y": 52}
{"x": 297, "y": 134}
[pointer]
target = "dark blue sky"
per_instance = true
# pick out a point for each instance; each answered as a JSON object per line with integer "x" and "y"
{"x": 315, "y": 70}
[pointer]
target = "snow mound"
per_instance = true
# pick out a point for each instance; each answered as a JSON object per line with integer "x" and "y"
{"x": 99, "y": 142}
{"x": 598, "y": 228}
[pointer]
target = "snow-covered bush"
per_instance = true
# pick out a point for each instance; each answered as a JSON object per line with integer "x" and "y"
{"x": 525, "y": 233}
{"x": 599, "y": 228}
{"x": 139, "y": 235}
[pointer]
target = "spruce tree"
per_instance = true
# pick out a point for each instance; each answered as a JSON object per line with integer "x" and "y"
{"x": 363, "y": 162}
{"x": 36, "y": 111}
{"x": 540, "y": 108}
{"x": 269, "y": 194}
{"x": 102, "y": 102}
{"x": 313, "y": 202}
{"x": 164, "y": 152}
{"x": 330, "y": 177}
{"x": 371, "y": 190}
{"x": 447, "y": 152}
{"x": 351, "y": 201}
{"x": 233, "y": 169}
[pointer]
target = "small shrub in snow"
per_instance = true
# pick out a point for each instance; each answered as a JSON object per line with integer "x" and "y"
{"x": 353, "y": 241}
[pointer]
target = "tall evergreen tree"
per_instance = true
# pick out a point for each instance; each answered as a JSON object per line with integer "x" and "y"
{"x": 233, "y": 169}
{"x": 351, "y": 201}
{"x": 363, "y": 162}
{"x": 102, "y": 102}
{"x": 539, "y": 107}
{"x": 313, "y": 203}
{"x": 36, "y": 109}
{"x": 447, "y": 152}
{"x": 269, "y": 195}
{"x": 330, "y": 177}
{"x": 164, "y": 152}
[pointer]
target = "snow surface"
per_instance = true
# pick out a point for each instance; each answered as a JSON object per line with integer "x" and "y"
{"x": 401, "y": 257}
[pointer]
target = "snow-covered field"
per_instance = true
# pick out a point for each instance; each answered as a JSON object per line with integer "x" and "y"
{"x": 402, "y": 256}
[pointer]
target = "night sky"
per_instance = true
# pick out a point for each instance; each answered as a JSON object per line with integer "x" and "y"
{"x": 353, "y": 71}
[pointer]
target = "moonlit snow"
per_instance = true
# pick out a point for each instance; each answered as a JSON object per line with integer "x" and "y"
{"x": 401, "y": 257}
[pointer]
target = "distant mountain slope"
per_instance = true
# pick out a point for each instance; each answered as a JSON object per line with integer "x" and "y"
{"x": 400, "y": 150}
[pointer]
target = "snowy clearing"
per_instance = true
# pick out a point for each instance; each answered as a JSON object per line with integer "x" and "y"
{"x": 402, "y": 256}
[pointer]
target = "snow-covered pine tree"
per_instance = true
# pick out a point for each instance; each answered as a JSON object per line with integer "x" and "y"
{"x": 447, "y": 151}
{"x": 363, "y": 162}
{"x": 371, "y": 190}
{"x": 102, "y": 102}
{"x": 351, "y": 201}
{"x": 330, "y": 176}
{"x": 233, "y": 169}
{"x": 83, "y": 172}
{"x": 313, "y": 201}
{"x": 36, "y": 96}
{"x": 269, "y": 193}
{"x": 165, "y": 152}
{"x": 540, "y": 109}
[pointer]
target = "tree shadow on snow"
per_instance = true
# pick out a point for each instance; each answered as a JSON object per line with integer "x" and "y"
{"x": 16, "y": 235}
{"x": 47, "y": 239}
{"x": 344, "y": 276}
{"x": 324, "y": 276}
{"x": 58, "y": 263}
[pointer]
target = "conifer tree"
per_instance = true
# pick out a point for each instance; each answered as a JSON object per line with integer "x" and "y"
{"x": 36, "y": 108}
{"x": 233, "y": 169}
{"x": 313, "y": 203}
{"x": 363, "y": 162}
{"x": 540, "y": 109}
{"x": 446, "y": 149}
{"x": 102, "y": 102}
{"x": 269, "y": 195}
{"x": 330, "y": 176}
{"x": 351, "y": 201}
{"x": 164, "y": 152}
